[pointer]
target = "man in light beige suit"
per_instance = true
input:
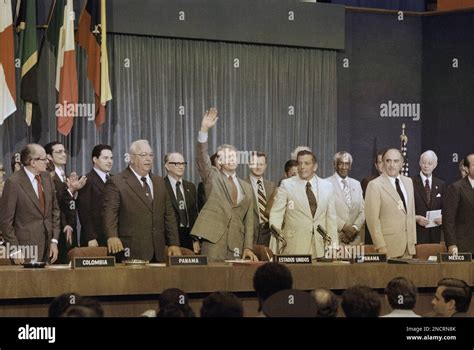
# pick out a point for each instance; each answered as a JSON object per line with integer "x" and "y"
{"x": 303, "y": 203}
{"x": 390, "y": 209}
{"x": 225, "y": 224}
{"x": 348, "y": 200}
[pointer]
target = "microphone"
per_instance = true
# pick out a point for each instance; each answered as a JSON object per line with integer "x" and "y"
{"x": 324, "y": 234}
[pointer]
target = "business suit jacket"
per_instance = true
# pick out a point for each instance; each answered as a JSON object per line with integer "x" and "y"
{"x": 143, "y": 226}
{"x": 438, "y": 192}
{"x": 218, "y": 217}
{"x": 458, "y": 216}
{"x": 269, "y": 187}
{"x": 191, "y": 208}
{"x": 390, "y": 225}
{"x": 21, "y": 219}
{"x": 353, "y": 215}
{"x": 89, "y": 206}
{"x": 291, "y": 207}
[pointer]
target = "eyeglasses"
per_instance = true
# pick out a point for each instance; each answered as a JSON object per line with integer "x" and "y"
{"x": 143, "y": 155}
{"x": 178, "y": 163}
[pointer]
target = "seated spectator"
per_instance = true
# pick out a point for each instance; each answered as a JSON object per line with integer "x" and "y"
{"x": 290, "y": 303}
{"x": 269, "y": 279}
{"x": 222, "y": 304}
{"x": 175, "y": 311}
{"x": 167, "y": 297}
{"x": 81, "y": 311}
{"x": 360, "y": 301}
{"x": 452, "y": 298}
{"x": 61, "y": 304}
{"x": 401, "y": 294}
{"x": 326, "y": 302}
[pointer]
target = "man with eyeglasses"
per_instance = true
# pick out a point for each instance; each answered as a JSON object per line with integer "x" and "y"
{"x": 29, "y": 212}
{"x": 225, "y": 223}
{"x": 138, "y": 217}
{"x": 66, "y": 192}
{"x": 183, "y": 197}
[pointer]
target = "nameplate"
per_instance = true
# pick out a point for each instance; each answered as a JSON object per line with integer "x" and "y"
{"x": 292, "y": 259}
{"x": 371, "y": 258}
{"x": 105, "y": 261}
{"x": 187, "y": 260}
{"x": 459, "y": 257}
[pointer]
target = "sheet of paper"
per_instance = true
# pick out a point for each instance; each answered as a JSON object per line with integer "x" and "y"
{"x": 431, "y": 216}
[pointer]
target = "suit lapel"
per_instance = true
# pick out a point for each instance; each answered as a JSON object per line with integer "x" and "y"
{"x": 407, "y": 200}
{"x": 27, "y": 186}
{"x": 96, "y": 180}
{"x": 171, "y": 192}
{"x": 136, "y": 187}
{"x": 226, "y": 184}
{"x": 469, "y": 191}
{"x": 420, "y": 188}
{"x": 300, "y": 192}
{"x": 388, "y": 187}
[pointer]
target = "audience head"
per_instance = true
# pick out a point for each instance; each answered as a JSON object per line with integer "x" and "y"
{"x": 222, "y": 304}
{"x": 258, "y": 163}
{"x": 61, "y": 303}
{"x": 81, "y": 311}
{"x": 172, "y": 296}
{"x": 378, "y": 162}
{"x": 401, "y": 293}
{"x": 102, "y": 158}
{"x": 141, "y": 157}
{"x": 176, "y": 311}
{"x": 307, "y": 164}
{"x": 326, "y": 302}
{"x": 33, "y": 157}
{"x": 342, "y": 163}
{"x": 428, "y": 162}
{"x": 271, "y": 278}
{"x": 452, "y": 296}
{"x": 175, "y": 165}
{"x": 290, "y": 303}
{"x": 392, "y": 162}
{"x": 291, "y": 168}
{"x": 360, "y": 301}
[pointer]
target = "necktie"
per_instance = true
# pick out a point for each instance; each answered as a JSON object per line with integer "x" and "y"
{"x": 42, "y": 201}
{"x": 427, "y": 191}
{"x": 262, "y": 202}
{"x": 146, "y": 188}
{"x": 63, "y": 175}
{"x": 183, "y": 214}
{"x": 400, "y": 193}
{"x": 347, "y": 193}
{"x": 233, "y": 192}
{"x": 107, "y": 175}
{"x": 313, "y": 205}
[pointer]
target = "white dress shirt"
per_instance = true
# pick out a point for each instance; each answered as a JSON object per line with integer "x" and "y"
{"x": 402, "y": 187}
{"x": 173, "y": 183}
{"x": 33, "y": 181}
{"x": 148, "y": 181}
{"x": 424, "y": 178}
{"x": 103, "y": 175}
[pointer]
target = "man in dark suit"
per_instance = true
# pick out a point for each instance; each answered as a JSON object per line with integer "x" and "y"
{"x": 91, "y": 198}
{"x": 66, "y": 193}
{"x": 29, "y": 213}
{"x": 429, "y": 195}
{"x": 225, "y": 224}
{"x": 262, "y": 190}
{"x": 137, "y": 214}
{"x": 458, "y": 211}
{"x": 183, "y": 197}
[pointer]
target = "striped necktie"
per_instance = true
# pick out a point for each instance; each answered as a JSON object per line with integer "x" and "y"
{"x": 262, "y": 202}
{"x": 347, "y": 193}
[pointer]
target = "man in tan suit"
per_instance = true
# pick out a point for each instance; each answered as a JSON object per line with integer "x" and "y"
{"x": 348, "y": 200}
{"x": 390, "y": 209}
{"x": 138, "y": 216}
{"x": 225, "y": 224}
{"x": 303, "y": 203}
{"x": 29, "y": 212}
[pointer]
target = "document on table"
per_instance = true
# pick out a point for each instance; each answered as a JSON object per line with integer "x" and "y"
{"x": 431, "y": 215}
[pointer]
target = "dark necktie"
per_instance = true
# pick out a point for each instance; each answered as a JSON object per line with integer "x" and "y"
{"x": 233, "y": 193}
{"x": 262, "y": 202}
{"x": 42, "y": 201}
{"x": 183, "y": 214}
{"x": 427, "y": 191}
{"x": 107, "y": 175}
{"x": 313, "y": 205}
{"x": 400, "y": 193}
{"x": 146, "y": 188}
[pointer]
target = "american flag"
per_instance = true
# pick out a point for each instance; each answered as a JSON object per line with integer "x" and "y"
{"x": 404, "y": 150}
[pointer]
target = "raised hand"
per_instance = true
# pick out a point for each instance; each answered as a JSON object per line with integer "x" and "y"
{"x": 209, "y": 119}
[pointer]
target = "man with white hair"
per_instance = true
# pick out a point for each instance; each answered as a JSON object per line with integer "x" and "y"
{"x": 138, "y": 216}
{"x": 429, "y": 195}
{"x": 348, "y": 200}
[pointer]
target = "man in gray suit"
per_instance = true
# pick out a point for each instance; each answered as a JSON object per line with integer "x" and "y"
{"x": 138, "y": 216}
{"x": 263, "y": 190}
{"x": 29, "y": 212}
{"x": 458, "y": 213}
{"x": 348, "y": 200}
{"x": 225, "y": 224}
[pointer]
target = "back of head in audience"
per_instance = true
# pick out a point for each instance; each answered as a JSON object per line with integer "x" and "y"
{"x": 326, "y": 302}
{"x": 81, "y": 311}
{"x": 360, "y": 301}
{"x": 61, "y": 303}
{"x": 222, "y": 304}
{"x": 453, "y": 296}
{"x": 271, "y": 278}
{"x": 175, "y": 311}
{"x": 401, "y": 293}
{"x": 172, "y": 296}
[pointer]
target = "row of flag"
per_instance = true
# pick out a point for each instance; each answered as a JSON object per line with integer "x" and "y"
{"x": 91, "y": 35}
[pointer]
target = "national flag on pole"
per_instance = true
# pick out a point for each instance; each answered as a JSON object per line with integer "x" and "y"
{"x": 60, "y": 34}
{"x": 7, "y": 62}
{"x": 92, "y": 36}
{"x": 404, "y": 150}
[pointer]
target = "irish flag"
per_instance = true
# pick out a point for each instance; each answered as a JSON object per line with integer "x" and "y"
{"x": 7, "y": 67}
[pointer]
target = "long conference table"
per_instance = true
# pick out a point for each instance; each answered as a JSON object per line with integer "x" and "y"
{"x": 129, "y": 290}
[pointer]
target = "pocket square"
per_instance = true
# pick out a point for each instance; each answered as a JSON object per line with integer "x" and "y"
{"x": 438, "y": 195}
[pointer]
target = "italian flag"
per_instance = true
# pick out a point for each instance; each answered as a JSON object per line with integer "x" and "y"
{"x": 7, "y": 66}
